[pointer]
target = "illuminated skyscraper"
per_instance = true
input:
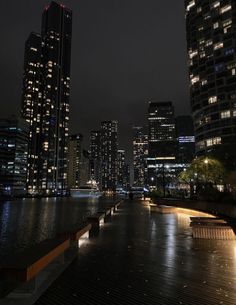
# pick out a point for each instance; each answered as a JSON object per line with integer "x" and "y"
{"x": 109, "y": 147}
{"x": 46, "y": 96}
{"x": 140, "y": 154}
{"x": 95, "y": 155}
{"x": 123, "y": 173}
{"x": 162, "y": 142}
{"x": 31, "y": 109}
{"x": 211, "y": 41}
{"x": 161, "y": 131}
{"x": 74, "y": 160}
{"x": 56, "y": 35}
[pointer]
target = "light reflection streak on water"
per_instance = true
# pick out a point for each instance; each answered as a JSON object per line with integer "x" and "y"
{"x": 26, "y": 222}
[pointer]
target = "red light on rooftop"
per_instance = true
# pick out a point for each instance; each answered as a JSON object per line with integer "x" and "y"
{"x": 46, "y": 7}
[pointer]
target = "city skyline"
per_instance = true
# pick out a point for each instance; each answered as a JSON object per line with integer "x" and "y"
{"x": 132, "y": 72}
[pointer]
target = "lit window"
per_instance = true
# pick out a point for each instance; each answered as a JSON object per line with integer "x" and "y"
{"x": 215, "y": 25}
{"x": 218, "y": 45}
{"x": 193, "y": 53}
{"x": 213, "y": 141}
{"x": 195, "y": 80}
{"x": 212, "y": 99}
{"x": 225, "y": 114}
{"x": 225, "y": 9}
{"x": 209, "y": 42}
{"x": 215, "y": 4}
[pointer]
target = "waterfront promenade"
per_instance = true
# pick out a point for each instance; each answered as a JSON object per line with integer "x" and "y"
{"x": 147, "y": 258}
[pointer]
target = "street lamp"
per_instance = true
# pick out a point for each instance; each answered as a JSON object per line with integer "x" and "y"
{"x": 206, "y": 161}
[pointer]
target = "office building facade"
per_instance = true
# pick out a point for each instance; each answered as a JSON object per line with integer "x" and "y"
{"x": 53, "y": 112}
{"x": 186, "y": 138}
{"x": 95, "y": 156}
{"x": 123, "y": 173}
{"x": 31, "y": 109}
{"x": 162, "y": 145}
{"x": 14, "y": 136}
{"x": 140, "y": 154}
{"x": 75, "y": 151}
{"x": 109, "y": 148}
{"x": 211, "y": 43}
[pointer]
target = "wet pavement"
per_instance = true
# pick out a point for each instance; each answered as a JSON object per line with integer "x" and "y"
{"x": 147, "y": 258}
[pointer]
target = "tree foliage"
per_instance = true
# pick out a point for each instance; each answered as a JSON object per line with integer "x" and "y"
{"x": 204, "y": 170}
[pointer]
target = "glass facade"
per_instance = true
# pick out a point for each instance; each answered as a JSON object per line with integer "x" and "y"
{"x": 14, "y": 134}
{"x": 47, "y": 58}
{"x": 211, "y": 41}
{"x": 109, "y": 147}
{"x": 140, "y": 153}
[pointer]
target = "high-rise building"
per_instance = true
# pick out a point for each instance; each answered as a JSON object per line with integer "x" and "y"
{"x": 162, "y": 142}
{"x": 74, "y": 160}
{"x": 123, "y": 173}
{"x": 211, "y": 45}
{"x": 186, "y": 139}
{"x": 109, "y": 147}
{"x": 31, "y": 109}
{"x": 95, "y": 155}
{"x": 56, "y": 55}
{"x": 161, "y": 131}
{"x": 14, "y": 135}
{"x": 46, "y": 93}
{"x": 140, "y": 154}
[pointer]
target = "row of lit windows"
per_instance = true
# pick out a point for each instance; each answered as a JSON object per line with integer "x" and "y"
{"x": 208, "y": 143}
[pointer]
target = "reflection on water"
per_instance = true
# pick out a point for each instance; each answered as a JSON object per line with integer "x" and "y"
{"x": 29, "y": 221}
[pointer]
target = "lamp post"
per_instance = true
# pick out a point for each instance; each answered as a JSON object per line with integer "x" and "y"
{"x": 206, "y": 161}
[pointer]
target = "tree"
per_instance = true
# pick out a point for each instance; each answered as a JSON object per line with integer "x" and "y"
{"x": 203, "y": 172}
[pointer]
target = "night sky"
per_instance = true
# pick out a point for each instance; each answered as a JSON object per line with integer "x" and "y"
{"x": 124, "y": 53}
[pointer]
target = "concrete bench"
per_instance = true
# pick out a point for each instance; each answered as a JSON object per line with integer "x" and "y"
{"x": 26, "y": 265}
{"x": 213, "y": 231}
{"x": 96, "y": 220}
{"x": 117, "y": 205}
{"x": 107, "y": 213}
{"x": 78, "y": 237}
{"x": 162, "y": 209}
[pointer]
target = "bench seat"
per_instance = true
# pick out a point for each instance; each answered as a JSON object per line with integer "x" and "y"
{"x": 26, "y": 265}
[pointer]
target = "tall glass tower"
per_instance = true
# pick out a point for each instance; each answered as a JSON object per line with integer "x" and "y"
{"x": 31, "y": 109}
{"x": 56, "y": 54}
{"x": 211, "y": 40}
{"x": 47, "y": 75}
{"x": 109, "y": 149}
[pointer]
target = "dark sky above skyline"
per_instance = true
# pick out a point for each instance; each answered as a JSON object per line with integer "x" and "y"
{"x": 124, "y": 53}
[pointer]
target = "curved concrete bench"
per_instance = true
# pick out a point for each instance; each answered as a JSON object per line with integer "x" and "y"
{"x": 26, "y": 265}
{"x": 96, "y": 220}
{"x": 77, "y": 237}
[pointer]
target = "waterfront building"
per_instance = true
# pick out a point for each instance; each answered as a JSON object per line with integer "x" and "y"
{"x": 162, "y": 143}
{"x": 109, "y": 147}
{"x": 75, "y": 151}
{"x": 14, "y": 134}
{"x": 123, "y": 173}
{"x": 31, "y": 109}
{"x": 186, "y": 138}
{"x": 46, "y": 96}
{"x": 211, "y": 46}
{"x": 84, "y": 176}
{"x": 140, "y": 154}
{"x": 95, "y": 156}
